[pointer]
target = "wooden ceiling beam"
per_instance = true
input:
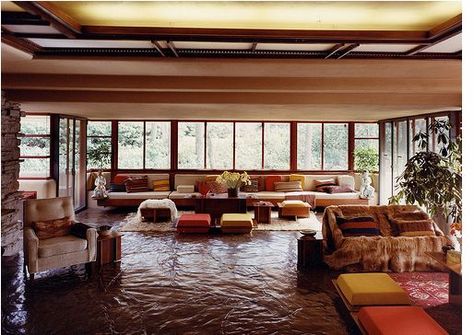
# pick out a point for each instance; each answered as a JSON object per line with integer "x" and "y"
{"x": 22, "y": 18}
{"x": 347, "y": 50}
{"x": 158, "y": 47}
{"x": 453, "y": 25}
{"x": 54, "y": 15}
{"x": 172, "y": 48}
{"x": 19, "y": 43}
{"x": 254, "y": 46}
{"x": 417, "y": 49}
{"x": 334, "y": 49}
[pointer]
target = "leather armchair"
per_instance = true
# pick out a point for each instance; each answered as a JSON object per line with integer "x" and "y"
{"x": 56, "y": 252}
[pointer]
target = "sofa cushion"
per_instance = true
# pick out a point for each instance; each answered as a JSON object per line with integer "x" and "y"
{"x": 202, "y": 187}
{"x": 409, "y": 320}
{"x": 324, "y": 182}
{"x": 270, "y": 195}
{"x": 161, "y": 185}
{"x": 117, "y": 188}
{"x": 253, "y": 187}
{"x": 414, "y": 227}
{"x": 61, "y": 245}
{"x": 133, "y": 185}
{"x": 139, "y": 195}
{"x": 288, "y": 186}
{"x": 185, "y": 189}
{"x": 346, "y": 180}
{"x": 53, "y": 228}
{"x": 270, "y": 182}
{"x": 120, "y": 178}
{"x": 261, "y": 182}
{"x": 358, "y": 226}
{"x": 338, "y": 189}
{"x": 298, "y": 177}
{"x": 216, "y": 187}
{"x": 364, "y": 289}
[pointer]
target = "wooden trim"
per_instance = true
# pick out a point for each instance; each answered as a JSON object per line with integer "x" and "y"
{"x": 334, "y": 49}
{"x": 157, "y": 46}
{"x": 20, "y": 44}
{"x": 54, "y": 15}
{"x": 417, "y": 49}
{"x": 347, "y": 50}
{"x": 448, "y": 27}
{"x": 351, "y": 145}
{"x": 114, "y": 161}
{"x": 294, "y": 145}
{"x": 173, "y": 48}
{"x": 254, "y": 46}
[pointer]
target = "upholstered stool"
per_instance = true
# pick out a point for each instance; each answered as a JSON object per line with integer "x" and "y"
{"x": 368, "y": 289}
{"x": 394, "y": 320}
{"x": 293, "y": 209}
{"x": 194, "y": 223}
{"x": 236, "y": 223}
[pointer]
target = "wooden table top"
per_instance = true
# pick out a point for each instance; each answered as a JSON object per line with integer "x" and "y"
{"x": 441, "y": 259}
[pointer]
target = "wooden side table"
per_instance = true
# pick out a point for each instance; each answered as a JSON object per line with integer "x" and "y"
{"x": 109, "y": 249}
{"x": 455, "y": 276}
{"x": 263, "y": 211}
{"x": 310, "y": 252}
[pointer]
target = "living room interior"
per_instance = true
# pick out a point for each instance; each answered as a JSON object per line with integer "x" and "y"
{"x": 228, "y": 167}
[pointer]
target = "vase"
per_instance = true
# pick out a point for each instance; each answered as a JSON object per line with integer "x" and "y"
{"x": 232, "y": 192}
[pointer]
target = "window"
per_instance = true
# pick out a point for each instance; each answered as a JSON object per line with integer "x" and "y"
{"x": 191, "y": 145}
{"x": 99, "y": 144}
{"x": 130, "y": 145}
{"x": 277, "y": 146}
{"x": 309, "y": 146}
{"x": 157, "y": 154}
{"x": 366, "y": 144}
{"x": 416, "y": 126}
{"x": 35, "y": 146}
{"x": 335, "y": 146}
{"x": 248, "y": 145}
{"x": 219, "y": 145}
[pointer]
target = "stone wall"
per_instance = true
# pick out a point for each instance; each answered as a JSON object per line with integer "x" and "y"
{"x": 11, "y": 203}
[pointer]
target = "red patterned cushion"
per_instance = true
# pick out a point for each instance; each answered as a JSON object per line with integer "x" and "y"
{"x": 53, "y": 228}
{"x": 120, "y": 179}
{"x": 358, "y": 226}
{"x": 215, "y": 187}
{"x": 133, "y": 185}
{"x": 202, "y": 187}
{"x": 270, "y": 182}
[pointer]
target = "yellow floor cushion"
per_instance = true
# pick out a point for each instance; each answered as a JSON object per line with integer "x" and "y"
{"x": 371, "y": 289}
{"x": 293, "y": 203}
{"x": 236, "y": 220}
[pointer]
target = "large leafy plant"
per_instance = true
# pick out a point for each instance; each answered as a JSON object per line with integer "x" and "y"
{"x": 434, "y": 179}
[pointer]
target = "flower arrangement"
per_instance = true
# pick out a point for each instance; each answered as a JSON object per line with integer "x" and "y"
{"x": 233, "y": 180}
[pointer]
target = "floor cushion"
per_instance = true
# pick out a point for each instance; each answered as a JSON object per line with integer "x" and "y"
{"x": 236, "y": 223}
{"x": 194, "y": 223}
{"x": 394, "y": 320}
{"x": 293, "y": 203}
{"x": 363, "y": 289}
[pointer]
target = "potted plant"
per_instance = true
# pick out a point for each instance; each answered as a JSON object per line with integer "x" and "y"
{"x": 433, "y": 180}
{"x": 233, "y": 181}
{"x": 366, "y": 160}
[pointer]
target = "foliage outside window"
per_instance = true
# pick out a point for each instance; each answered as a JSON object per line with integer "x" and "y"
{"x": 309, "y": 146}
{"x": 191, "y": 145}
{"x": 248, "y": 145}
{"x": 99, "y": 144}
{"x": 335, "y": 146}
{"x": 366, "y": 147}
{"x": 157, "y": 145}
{"x": 130, "y": 145}
{"x": 219, "y": 145}
{"x": 277, "y": 146}
{"x": 35, "y": 146}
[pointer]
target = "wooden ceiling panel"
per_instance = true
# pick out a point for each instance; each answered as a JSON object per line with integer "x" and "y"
{"x": 449, "y": 45}
{"x": 76, "y": 43}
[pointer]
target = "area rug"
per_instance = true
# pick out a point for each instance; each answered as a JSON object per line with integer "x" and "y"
{"x": 131, "y": 224}
{"x": 430, "y": 290}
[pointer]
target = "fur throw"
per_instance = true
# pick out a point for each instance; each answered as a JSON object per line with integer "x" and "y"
{"x": 377, "y": 253}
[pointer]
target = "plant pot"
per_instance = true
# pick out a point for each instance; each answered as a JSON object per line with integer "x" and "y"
{"x": 232, "y": 192}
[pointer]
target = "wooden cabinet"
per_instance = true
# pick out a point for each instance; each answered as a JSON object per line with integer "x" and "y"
{"x": 109, "y": 249}
{"x": 216, "y": 205}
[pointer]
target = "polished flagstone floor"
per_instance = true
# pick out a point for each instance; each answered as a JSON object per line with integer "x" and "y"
{"x": 172, "y": 284}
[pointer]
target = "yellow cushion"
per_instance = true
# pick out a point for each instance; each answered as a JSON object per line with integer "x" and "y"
{"x": 298, "y": 177}
{"x": 236, "y": 220}
{"x": 371, "y": 289}
{"x": 161, "y": 185}
{"x": 293, "y": 203}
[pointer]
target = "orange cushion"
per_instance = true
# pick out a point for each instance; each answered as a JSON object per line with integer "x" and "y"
{"x": 53, "y": 228}
{"x": 194, "y": 220}
{"x": 395, "y": 320}
{"x": 270, "y": 182}
{"x": 203, "y": 187}
{"x": 120, "y": 178}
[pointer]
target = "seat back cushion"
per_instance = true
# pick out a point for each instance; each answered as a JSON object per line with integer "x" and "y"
{"x": 320, "y": 185}
{"x": 346, "y": 180}
{"x": 414, "y": 227}
{"x": 298, "y": 177}
{"x": 270, "y": 182}
{"x": 161, "y": 185}
{"x": 53, "y": 228}
{"x": 47, "y": 209}
{"x": 288, "y": 186}
{"x": 358, "y": 226}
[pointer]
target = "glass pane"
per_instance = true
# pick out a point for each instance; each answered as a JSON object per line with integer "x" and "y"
{"x": 386, "y": 166}
{"x": 130, "y": 145}
{"x": 34, "y": 146}
{"x": 369, "y": 149}
{"x": 158, "y": 145}
{"x": 35, "y": 167}
{"x": 99, "y": 128}
{"x": 248, "y": 146}
{"x": 400, "y": 149}
{"x": 277, "y": 146}
{"x": 309, "y": 146}
{"x": 416, "y": 126}
{"x": 219, "y": 145}
{"x": 335, "y": 146}
{"x": 63, "y": 186}
{"x": 99, "y": 153}
{"x": 367, "y": 130}
{"x": 35, "y": 125}
{"x": 434, "y": 145}
{"x": 191, "y": 145}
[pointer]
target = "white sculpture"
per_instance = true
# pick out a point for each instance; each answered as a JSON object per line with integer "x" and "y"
{"x": 366, "y": 190}
{"x": 100, "y": 191}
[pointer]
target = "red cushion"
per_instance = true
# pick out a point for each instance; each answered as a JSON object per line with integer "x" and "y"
{"x": 409, "y": 320}
{"x": 120, "y": 179}
{"x": 194, "y": 220}
{"x": 203, "y": 187}
{"x": 270, "y": 182}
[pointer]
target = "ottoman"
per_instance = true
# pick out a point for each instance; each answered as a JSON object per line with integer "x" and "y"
{"x": 236, "y": 223}
{"x": 293, "y": 209}
{"x": 368, "y": 289}
{"x": 394, "y": 320}
{"x": 194, "y": 223}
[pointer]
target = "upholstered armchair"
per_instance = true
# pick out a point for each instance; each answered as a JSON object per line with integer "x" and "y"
{"x": 50, "y": 253}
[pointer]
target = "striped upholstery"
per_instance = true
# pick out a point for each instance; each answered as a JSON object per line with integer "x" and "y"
{"x": 288, "y": 186}
{"x": 414, "y": 227}
{"x": 358, "y": 226}
{"x": 133, "y": 185}
{"x": 161, "y": 185}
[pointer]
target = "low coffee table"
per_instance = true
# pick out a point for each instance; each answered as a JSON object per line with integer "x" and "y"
{"x": 217, "y": 204}
{"x": 263, "y": 211}
{"x": 455, "y": 276}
